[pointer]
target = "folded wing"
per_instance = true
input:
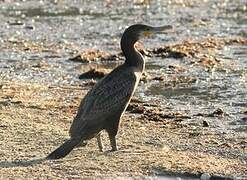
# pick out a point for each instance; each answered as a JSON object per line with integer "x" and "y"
{"x": 105, "y": 100}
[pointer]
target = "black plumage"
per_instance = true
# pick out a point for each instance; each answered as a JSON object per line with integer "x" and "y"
{"x": 103, "y": 106}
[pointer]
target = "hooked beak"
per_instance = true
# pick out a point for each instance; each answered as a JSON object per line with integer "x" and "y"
{"x": 156, "y": 30}
{"x": 161, "y": 28}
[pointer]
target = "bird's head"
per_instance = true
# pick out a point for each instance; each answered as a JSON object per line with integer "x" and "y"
{"x": 137, "y": 31}
{"x": 131, "y": 35}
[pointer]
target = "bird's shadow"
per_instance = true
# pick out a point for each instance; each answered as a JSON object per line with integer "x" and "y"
{"x": 21, "y": 163}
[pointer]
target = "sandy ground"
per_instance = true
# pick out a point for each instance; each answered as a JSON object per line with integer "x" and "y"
{"x": 35, "y": 118}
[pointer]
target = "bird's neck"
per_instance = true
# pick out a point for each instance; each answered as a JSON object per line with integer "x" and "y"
{"x": 133, "y": 57}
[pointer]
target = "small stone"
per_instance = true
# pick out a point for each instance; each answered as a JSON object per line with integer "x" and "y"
{"x": 218, "y": 112}
{"x": 15, "y": 23}
{"x": 205, "y": 176}
{"x": 159, "y": 78}
{"x": 29, "y": 27}
{"x": 205, "y": 124}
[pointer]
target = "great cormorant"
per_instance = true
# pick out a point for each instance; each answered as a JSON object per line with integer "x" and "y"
{"x": 103, "y": 106}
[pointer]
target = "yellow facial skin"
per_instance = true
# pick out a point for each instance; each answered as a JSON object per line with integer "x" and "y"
{"x": 147, "y": 33}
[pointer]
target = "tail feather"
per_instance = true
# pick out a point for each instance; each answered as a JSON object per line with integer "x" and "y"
{"x": 64, "y": 149}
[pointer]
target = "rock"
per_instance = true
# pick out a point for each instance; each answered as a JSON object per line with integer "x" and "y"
{"x": 29, "y": 27}
{"x": 205, "y": 123}
{"x": 217, "y": 112}
{"x": 16, "y": 23}
{"x": 205, "y": 176}
{"x": 159, "y": 78}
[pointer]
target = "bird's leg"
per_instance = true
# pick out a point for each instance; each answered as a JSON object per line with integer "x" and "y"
{"x": 112, "y": 132}
{"x": 113, "y": 143}
{"x": 100, "y": 144}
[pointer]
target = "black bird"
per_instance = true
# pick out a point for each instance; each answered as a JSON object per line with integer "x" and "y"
{"x": 103, "y": 106}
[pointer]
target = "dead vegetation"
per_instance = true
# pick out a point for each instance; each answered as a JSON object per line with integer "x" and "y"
{"x": 197, "y": 53}
{"x": 90, "y": 56}
{"x": 190, "y": 48}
